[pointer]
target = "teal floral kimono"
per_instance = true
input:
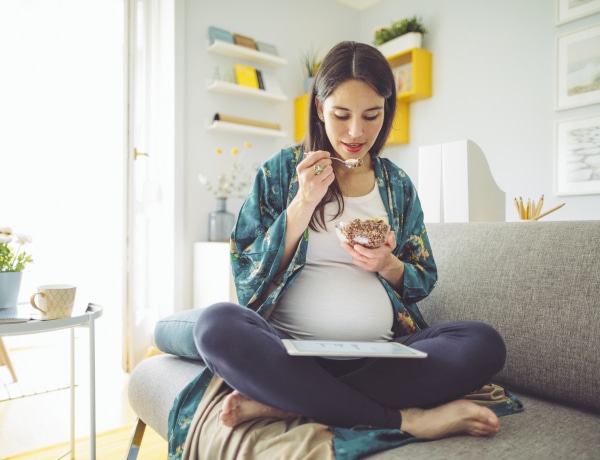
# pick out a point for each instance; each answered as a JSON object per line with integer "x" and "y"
{"x": 259, "y": 236}
{"x": 256, "y": 250}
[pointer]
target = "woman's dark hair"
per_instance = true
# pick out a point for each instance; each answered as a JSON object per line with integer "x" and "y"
{"x": 347, "y": 61}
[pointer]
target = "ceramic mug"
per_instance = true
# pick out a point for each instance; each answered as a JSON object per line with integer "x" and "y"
{"x": 55, "y": 300}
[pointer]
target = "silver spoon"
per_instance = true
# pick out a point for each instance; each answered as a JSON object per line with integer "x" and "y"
{"x": 354, "y": 163}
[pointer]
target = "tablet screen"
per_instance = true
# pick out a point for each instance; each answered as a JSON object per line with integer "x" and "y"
{"x": 350, "y": 349}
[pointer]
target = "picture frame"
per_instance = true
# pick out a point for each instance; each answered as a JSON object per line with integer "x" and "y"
{"x": 578, "y": 68}
{"x": 578, "y": 156}
{"x": 569, "y": 10}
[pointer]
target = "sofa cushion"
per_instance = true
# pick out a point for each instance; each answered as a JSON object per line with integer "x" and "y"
{"x": 537, "y": 283}
{"x": 155, "y": 383}
{"x": 174, "y": 334}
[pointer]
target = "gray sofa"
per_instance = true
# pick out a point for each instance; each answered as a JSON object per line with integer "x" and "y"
{"x": 538, "y": 283}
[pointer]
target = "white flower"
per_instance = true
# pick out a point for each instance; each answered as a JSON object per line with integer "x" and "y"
{"x": 13, "y": 260}
{"x": 22, "y": 238}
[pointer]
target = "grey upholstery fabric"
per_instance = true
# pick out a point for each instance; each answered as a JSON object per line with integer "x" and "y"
{"x": 155, "y": 383}
{"x": 543, "y": 431}
{"x": 538, "y": 283}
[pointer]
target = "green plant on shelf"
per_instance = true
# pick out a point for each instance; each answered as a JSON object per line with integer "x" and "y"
{"x": 398, "y": 28}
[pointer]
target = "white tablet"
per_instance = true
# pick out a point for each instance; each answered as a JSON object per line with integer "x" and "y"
{"x": 344, "y": 349}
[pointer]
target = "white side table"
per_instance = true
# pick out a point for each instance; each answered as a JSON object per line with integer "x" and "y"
{"x": 92, "y": 312}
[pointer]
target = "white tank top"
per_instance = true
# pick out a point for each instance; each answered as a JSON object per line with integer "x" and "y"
{"x": 333, "y": 299}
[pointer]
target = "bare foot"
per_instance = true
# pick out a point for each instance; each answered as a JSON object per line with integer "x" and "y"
{"x": 456, "y": 417}
{"x": 237, "y": 409}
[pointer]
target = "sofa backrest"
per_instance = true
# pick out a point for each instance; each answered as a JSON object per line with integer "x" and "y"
{"x": 538, "y": 283}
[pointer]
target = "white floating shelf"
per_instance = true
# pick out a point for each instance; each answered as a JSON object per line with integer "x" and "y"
{"x": 239, "y": 90}
{"x": 243, "y": 52}
{"x": 225, "y": 126}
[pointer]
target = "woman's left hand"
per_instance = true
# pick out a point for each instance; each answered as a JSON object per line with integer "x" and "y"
{"x": 378, "y": 259}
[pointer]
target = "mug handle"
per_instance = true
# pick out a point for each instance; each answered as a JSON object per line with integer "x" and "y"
{"x": 32, "y": 301}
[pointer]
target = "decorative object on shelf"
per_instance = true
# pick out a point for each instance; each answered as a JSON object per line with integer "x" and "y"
{"x": 267, "y": 48}
{"x": 216, "y": 33}
{"x": 234, "y": 184}
{"x": 13, "y": 261}
{"x": 246, "y": 75}
{"x": 310, "y": 64}
{"x": 401, "y": 35}
{"x": 220, "y": 222}
{"x": 242, "y": 40}
{"x": 246, "y": 121}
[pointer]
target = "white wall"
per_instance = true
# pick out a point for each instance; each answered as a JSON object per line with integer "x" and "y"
{"x": 493, "y": 82}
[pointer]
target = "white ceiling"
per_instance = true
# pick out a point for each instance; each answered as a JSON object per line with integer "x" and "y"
{"x": 358, "y": 5}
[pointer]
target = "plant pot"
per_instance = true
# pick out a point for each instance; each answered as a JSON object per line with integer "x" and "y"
{"x": 308, "y": 83}
{"x": 401, "y": 43}
{"x": 10, "y": 284}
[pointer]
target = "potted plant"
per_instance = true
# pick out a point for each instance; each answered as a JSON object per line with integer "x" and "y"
{"x": 12, "y": 262}
{"x": 401, "y": 35}
{"x": 310, "y": 64}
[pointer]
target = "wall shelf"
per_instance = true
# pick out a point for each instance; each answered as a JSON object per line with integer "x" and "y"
{"x": 420, "y": 62}
{"x": 243, "y": 52}
{"x": 239, "y": 90}
{"x": 225, "y": 126}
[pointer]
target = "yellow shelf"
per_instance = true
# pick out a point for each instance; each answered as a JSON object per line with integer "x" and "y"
{"x": 420, "y": 62}
{"x": 400, "y": 127}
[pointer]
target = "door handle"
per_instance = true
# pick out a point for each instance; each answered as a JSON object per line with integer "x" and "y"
{"x": 137, "y": 154}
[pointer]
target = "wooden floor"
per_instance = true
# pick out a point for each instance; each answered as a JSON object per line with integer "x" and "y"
{"x": 40, "y": 420}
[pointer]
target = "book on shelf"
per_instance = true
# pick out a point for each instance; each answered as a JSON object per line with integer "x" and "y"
{"x": 246, "y": 121}
{"x": 259, "y": 76}
{"x": 244, "y": 41}
{"x": 216, "y": 33}
{"x": 246, "y": 75}
{"x": 267, "y": 48}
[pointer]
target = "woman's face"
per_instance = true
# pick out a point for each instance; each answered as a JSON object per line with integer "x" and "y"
{"x": 353, "y": 116}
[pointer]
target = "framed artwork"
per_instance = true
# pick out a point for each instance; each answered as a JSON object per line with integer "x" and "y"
{"x": 569, "y": 10}
{"x": 578, "y": 156}
{"x": 578, "y": 67}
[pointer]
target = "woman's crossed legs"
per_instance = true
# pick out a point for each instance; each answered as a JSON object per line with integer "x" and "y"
{"x": 242, "y": 348}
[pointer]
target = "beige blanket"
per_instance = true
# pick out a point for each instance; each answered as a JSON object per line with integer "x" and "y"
{"x": 270, "y": 438}
{"x": 260, "y": 439}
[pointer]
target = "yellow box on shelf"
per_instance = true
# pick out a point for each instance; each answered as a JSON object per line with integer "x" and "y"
{"x": 418, "y": 61}
{"x": 246, "y": 75}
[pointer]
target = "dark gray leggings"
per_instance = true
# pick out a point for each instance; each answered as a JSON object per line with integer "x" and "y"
{"x": 242, "y": 348}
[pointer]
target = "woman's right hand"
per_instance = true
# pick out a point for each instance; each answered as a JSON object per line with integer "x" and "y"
{"x": 315, "y": 175}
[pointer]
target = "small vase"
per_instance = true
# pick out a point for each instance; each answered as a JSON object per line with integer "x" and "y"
{"x": 10, "y": 284}
{"x": 220, "y": 222}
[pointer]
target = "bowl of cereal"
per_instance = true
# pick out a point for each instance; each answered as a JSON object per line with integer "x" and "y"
{"x": 370, "y": 233}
